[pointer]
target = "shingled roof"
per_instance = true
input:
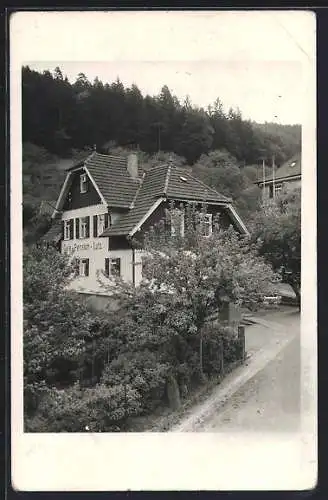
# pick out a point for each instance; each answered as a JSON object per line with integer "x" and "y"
{"x": 290, "y": 169}
{"x": 163, "y": 181}
{"x": 182, "y": 185}
{"x": 55, "y": 232}
{"x": 140, "y": 196}
{"x": 112, "y": 178}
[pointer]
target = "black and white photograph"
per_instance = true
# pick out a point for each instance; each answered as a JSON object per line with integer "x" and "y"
{"x": 163, "y": 235}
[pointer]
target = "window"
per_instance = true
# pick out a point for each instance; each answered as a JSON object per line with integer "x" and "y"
{"x": 206, "y": 224}
{"x": 115, "y": 267}
{"x": 83, "y": 267}
{"x": 83, "y": 183}
{"x": 277, "y": 189}
{"x": 83, "y": 225}
{"x": 112, "y": 267}
{"x": 100, "y": 223}
{"x": 68, "y": 229}
{"x": 177, "y": 222}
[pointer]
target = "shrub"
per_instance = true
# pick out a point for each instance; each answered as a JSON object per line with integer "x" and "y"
{"x": 55, "y": 325}
{"x": 96, "y": 409}
{"x": 142, "y": 372}
{"x": 219, "y": 341}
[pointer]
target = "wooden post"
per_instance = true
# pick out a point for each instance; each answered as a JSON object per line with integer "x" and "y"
{"x": 241, "y": 338}
{"x": 93, "y": 361}
{"x": 201, "y": 351}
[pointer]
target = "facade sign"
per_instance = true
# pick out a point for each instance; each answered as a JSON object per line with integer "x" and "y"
{"x": 70, "y": 248}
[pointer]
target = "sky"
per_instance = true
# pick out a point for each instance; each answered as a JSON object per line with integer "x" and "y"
{"x": 256, "y": 61}
{"x": 264, "y": 91}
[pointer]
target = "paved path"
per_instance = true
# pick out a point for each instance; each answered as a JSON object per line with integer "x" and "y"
{"x": 270, "y": 401}
{"x": 264, "y": 394}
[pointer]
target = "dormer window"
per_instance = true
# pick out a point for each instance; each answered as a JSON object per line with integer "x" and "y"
{"x": 83, "y": 183}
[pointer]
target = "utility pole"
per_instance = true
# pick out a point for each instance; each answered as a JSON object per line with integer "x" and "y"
{"x": 263, "y": 169}
{"x": 273, "y": 177}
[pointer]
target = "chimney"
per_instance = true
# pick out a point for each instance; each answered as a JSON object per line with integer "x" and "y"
{"x": 133, "y": 165}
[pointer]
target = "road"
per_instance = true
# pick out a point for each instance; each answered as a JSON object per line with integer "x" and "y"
{"x": 270, "y": 400}
{"x": 264, "y": 393}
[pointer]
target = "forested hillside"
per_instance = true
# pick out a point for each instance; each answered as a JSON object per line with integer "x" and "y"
{"x": 62, "y": 121}
{"x": 59, "y": 116}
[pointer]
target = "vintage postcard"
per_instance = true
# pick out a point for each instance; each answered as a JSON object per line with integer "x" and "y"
{"x": 163, "y": 250}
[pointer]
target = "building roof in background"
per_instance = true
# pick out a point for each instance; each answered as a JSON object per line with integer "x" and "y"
{"x": 291, "y": 168}
{"x": 55, "y": 232}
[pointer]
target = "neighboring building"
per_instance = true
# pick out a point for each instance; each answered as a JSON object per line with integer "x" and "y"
{"x": 288, "y": 176}
{"x": 105, "y": 201}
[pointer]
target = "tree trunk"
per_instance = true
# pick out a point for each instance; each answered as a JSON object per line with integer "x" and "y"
{"x": 297, "y": 291}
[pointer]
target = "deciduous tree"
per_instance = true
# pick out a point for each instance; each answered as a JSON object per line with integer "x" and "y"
{"x": 55, "y": 323}
{"x": 200, "y": 274}
{"x": 277, "y": 227}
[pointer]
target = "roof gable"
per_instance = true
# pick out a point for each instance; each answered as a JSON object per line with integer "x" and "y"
{"x": 74, "y": 198}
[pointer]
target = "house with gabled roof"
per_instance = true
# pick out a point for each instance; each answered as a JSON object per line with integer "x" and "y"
{"x": 288, "y": 176}
{"x": 106, "y": 200}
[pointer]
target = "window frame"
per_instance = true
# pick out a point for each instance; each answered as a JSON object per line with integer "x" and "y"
{"x": 67, "y": 226}
{"x": 177, "y": 212}
{"x": 83, "y": 183}
{"x": 99, "y": 228}
{"x": 111, "y": 262}
{"x": 83, "y": 225}
{"x": 82, "y": 270}
{"x": 206, "y": 220}
{"x": 277, "y": 189}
